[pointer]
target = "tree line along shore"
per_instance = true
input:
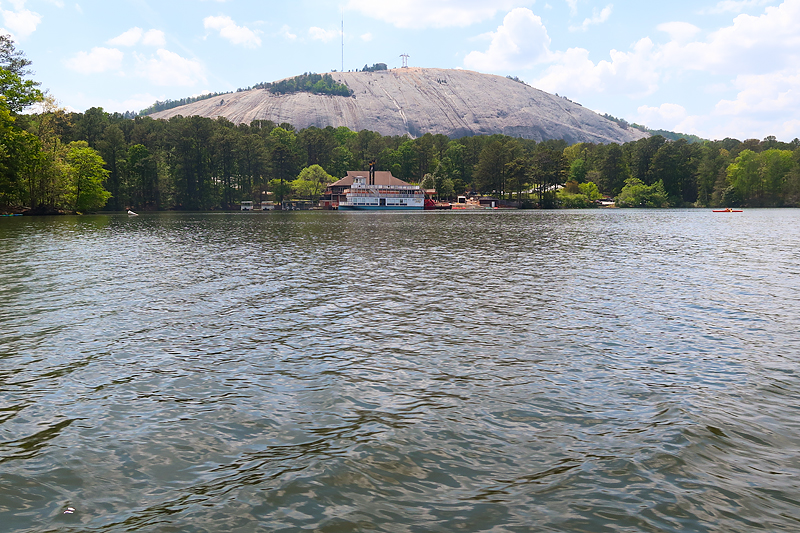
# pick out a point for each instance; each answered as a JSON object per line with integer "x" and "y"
{"x": 52, "y": 160}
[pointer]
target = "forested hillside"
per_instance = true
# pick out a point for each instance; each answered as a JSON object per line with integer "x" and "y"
{"x": 56, "y": 160}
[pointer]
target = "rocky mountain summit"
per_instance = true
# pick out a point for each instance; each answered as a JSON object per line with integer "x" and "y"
{"x": 415, "y": 101}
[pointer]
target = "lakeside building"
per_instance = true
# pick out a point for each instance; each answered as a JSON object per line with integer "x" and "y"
{"x": 335, "y": 193}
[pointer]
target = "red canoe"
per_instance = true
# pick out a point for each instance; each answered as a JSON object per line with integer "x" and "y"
{"x": 728, "y": 210}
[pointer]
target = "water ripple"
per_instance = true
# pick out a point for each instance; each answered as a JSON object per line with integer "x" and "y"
{"x": 484, "y": 371}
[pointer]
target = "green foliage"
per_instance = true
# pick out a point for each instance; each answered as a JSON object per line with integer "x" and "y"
{"x": 198, "y": 163}
{"x": 577, "y": 170}
{"x": 280, "y": 189}
{"x": 516, "y": 79}
{"x": 759, "y": 178}
{"x": 445, "y": 188}
{"x": 375, "y": 68}
{"x": 569, "y": 200}
{"x": 614, "y": 170}
{"x": 16, "y": 93}
{"x": 675, "y": 136}
{"x": 548, "y": 169}
{"x": 312, "y": 182}
{"x": 590, "y": 190}
{"x": 171, "y": 104}
{"x": 636, "y": 194}
{"x": 743, "y": 175}
{"x": 309, "y": 83}
{"x": 86, "y": 169}
{"x": 576, "y": 195}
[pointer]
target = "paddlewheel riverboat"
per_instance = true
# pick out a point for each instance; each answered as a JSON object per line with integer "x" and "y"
{"x": 363, "y": 196}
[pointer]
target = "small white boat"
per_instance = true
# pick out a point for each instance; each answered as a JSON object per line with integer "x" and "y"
{"x": 132, "y": 214}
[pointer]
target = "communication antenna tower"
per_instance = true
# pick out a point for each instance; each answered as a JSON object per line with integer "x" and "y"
{"x": 342, "y": 40}
{"x": 405, "y": 60}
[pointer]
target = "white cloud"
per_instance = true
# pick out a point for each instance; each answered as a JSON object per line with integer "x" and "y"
{"x": 21, "y": 23}
{"x": 665, "y": 116}
{"x": 573, "y": 7}
{"x": 137, "y": 102}
{"x": 432, "y": 13}
{"x": 318, "y": 34}
{"x": 99, "y": 59}
{"x": 154, "y": 38}
{"x": 135, "y": 35}
{"x": 287, "y": 34}
{"x": 169, "y": 69}
{"x": 631, "y": 73}
{"x": 239, "y": 35}
{"x": 129, "y": 38}
{"x": 598, "y": 17}
{"x": 734, "y": 6}
{"x": 680, "y": 32}
{"x": 520, "y": 43}
{"x": 752, "y": 44}
{"x": 367, "y": 37}
{"x": 772, "y": 95}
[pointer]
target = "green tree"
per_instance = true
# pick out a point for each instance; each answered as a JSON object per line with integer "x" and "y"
{"x": 578, "y": 170}
{"x": 548, "y": 169}
{"x": 642, "y": 153}
{"x": 490, "y": 173}
{"x": 743, "y": 177}
{"x": 284, "y": 159}
{"x": 113, "y": 149}
{"x": 189, "y": 144}
{"x": 775, "y": 166}
{"x": 578, "y": 195}
{"x": 280, "y": 189}
{"x": 342, "y": 160}
{"x": 517, "y": 174}
{"x": 636, "y": 194}
{"x": 143, "y": 184}
{"x": 318, "y": 145}
{"x": 225, "y": 142}
{"x": 17, "y": 92}
{"x": 445, "y": 188}
{"x": 590, "y": 190}
{"x": 88, "y": 173}
{"x": 613, "y": 170}
{"x": 428, "y": 182}
{"x": 252, "y": 164}
{"x": 791, "y": 185}
{"x": 312, "y": 182}
{"x": 426, "y": 155}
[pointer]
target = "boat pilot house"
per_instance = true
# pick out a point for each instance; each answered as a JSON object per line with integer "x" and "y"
{"x": 372, "y": 190}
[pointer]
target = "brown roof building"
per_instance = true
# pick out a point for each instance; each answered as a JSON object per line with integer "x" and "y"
{"x": 335, "y": 191}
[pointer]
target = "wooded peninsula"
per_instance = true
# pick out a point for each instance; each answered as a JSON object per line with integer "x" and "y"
{"x": 52, "y": 160}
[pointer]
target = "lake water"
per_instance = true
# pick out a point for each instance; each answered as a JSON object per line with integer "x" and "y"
{"x": 611, "y": 370}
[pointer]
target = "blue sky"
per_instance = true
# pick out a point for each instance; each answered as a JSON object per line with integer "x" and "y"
{"x": 720, "y": 68}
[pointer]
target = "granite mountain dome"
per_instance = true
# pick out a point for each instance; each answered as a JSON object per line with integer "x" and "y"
{"x": 415, "y": 101}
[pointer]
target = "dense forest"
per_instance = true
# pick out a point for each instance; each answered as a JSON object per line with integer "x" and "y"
{"x": 52, "y": 160}
{"x": 309, "y": 83}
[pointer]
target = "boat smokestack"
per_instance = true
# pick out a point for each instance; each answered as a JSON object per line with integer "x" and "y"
{"x": 372, "y": 172}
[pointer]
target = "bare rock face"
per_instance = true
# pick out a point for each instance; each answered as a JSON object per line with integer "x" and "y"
{"x": 415, "y": 101}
